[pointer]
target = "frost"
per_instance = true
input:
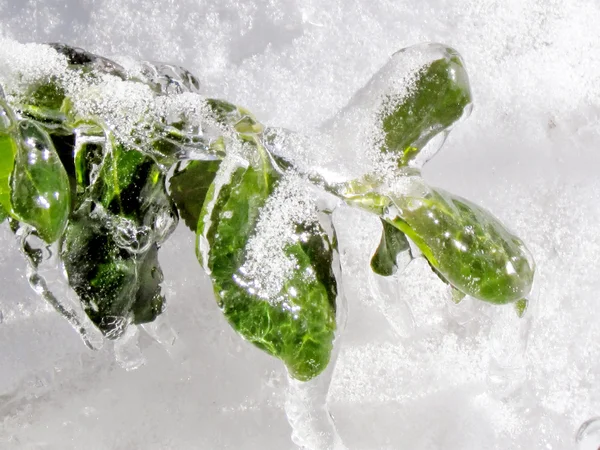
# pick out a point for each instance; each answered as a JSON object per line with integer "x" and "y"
{"x": 113, "y": 96}
{"x": 267, "y": 264}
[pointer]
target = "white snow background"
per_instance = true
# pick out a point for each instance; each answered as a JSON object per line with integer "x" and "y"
{"x": 415, "y": 371}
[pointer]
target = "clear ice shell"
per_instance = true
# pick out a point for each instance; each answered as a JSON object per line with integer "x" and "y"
{"x": 42, "y": 265}
{"x": 356, "y": 130}
{"x": 169, "y": 79}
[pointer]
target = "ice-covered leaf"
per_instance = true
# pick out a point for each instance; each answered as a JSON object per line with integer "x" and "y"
{"x": 439, "y": 97}
{"x": 114, "y": 285}
{"x": 43, "y": 102}
{"x": 392, "y": 243}
{"x": 8, "y": 151}
{"x": 40, "y": 190}
{"x": 228, "y": 114}
{"x": 403, "y": 114}
{"x": 121, "y": 179}
{"x": 284, "y": 303}
{"x": 224, "y": 112}
{"x": 130, "y": 186}
{"x": 468, "y": 246}
{"x": 110, "y": 249}
{"x": 189, "y": 186}
{"x": 83, "y": 60}
{"x": 87, "y": 153}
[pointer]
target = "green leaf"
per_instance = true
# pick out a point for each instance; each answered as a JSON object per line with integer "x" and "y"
{"x": 440, "y": 96}
{"x": 189, "y": 187}
{"x": 468, "y": 246}
{"x": 121, "y": 179}
{"x": 223, "y": 111}
{"x": 44, "y": 101}
{"x": 8, "y": 151}
{"x": 110, "y": 250}
{"x": 87, "y": 155}
{"x": 48, "y": 95}
{"x": 229, "y": 114}
{"x": 40, "y": 190}
{"x": 299, "y": 326}
{"x": 393, "y": 242}
{"x": 3, "y": 214}
{"x": 115, "y": 285}
{"x": 131, "y": 186}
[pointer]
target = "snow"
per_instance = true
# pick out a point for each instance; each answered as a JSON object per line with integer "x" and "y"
{"x": 414, "y": 370}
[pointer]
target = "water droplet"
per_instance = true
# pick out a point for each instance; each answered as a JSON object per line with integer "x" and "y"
{"x": 588, "y": 435}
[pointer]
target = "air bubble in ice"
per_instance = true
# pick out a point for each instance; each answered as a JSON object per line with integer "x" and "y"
{"x": 127, "y": 235}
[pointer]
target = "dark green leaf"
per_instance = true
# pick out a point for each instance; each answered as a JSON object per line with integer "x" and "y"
{"x": 115, "y": 285}
{"x": 222, "y": 110}
{"x": 40, "y": 190}
{"x": 467, "y": 246}
{"x": 149, "y": 302}
{"x": 393, "y": 242}
{"x": 131, "y": 186}
{"x": 88, "y": 62}
{"x": 189, "y": 187}
{"x": 439, "y": 98}
{"x": 88, "y": 154}
{"x": 123, "y": 174}
{"x": 299, "y": 326}
{"x": 110, "y": 249}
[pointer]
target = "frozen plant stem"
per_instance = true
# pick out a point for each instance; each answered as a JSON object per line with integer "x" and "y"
{"x": 102, "y": 161}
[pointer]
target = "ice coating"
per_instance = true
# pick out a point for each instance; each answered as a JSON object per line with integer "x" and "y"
{"x": 271, "y": 262}
{"x": 298, "y": 324}
{"x": 366, "y": 125}
{"x": 469, "y": 247}
{"x": 134, "y": 103}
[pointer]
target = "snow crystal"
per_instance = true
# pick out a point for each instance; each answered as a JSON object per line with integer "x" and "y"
{"x": 129, "y": 109}
{"x": 267, "y": 264}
